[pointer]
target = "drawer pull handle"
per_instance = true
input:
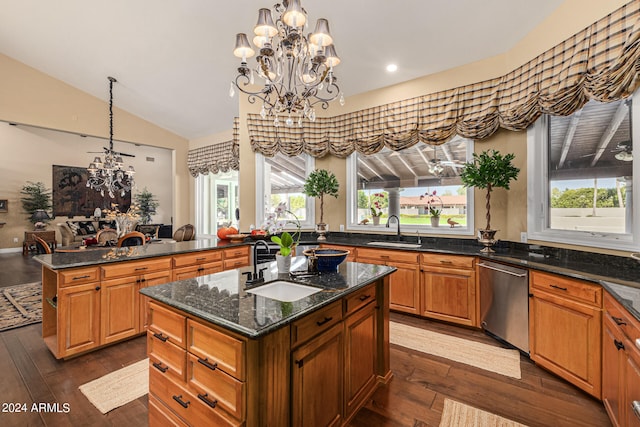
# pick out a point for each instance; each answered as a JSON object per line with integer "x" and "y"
{"x": 558, "y": 287}
{"x": 160, "y": 337}
{"x": 322, "y": 322}
{"x": 86, "y": 276}
{"x": 384, "y": 256}
{"x": 299, "y": 363}
{"x": 365, "y": 297}
{"x": 200, "y": 259}
{"x": 200, "y": 268}
{"x": 182, "y": 403}
{"x": 203, "y": 397}
{"x": 619, "y": 321}
{"x": 443, "y": 261}
{"x": 160, "y": 368}
{"x": 140, "y": 268}
{"x": 619, "y": 344}
{"x": 208, "y": 364}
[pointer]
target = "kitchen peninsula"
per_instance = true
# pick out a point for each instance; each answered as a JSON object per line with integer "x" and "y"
{"x": 220, "y": 353}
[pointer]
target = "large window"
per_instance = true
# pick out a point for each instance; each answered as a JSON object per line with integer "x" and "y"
{"x": 407, "y": 184}
{"x": 216, "y": 201}
{"x": 280, "y": 179}
{"x": 580, "y": 176}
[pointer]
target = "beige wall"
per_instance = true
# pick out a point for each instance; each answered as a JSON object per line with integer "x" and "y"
{"x": 28, "y": 96}
{"x": 509, "y": 209}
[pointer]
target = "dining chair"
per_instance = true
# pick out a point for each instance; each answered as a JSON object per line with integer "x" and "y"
{"x": 184, "y": 233}
{"x": 42, "y": 247}
{"x": 135, "y": 238}
{"x": 106, "y": 235}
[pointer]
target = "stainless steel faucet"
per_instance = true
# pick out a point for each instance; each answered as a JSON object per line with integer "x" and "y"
{"x": 397, "y": 221}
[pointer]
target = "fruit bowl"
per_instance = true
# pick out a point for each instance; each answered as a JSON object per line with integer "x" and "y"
{"x": 237, "y": 237}
{"x": 328, "y": 259}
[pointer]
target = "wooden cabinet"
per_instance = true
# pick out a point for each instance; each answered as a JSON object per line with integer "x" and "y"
{"x": 236, "y": 257}
{"x": 197, "y": 264}
{"x": 565, "y": 329}
{"x": 620, "y": 364}
{"x": 78, "y": 319}
{"x": 448, "y": 288}
{"x": 404, "y": 291}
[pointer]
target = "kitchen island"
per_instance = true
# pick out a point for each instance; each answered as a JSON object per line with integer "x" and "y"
{"x": 224, "y": 353}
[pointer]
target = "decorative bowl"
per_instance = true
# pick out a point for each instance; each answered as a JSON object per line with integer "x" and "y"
{"x": 237, "y": 237}
{"x": 328, "y": 259}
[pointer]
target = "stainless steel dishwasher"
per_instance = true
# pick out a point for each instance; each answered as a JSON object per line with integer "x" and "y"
{"x": 504, "y": 303}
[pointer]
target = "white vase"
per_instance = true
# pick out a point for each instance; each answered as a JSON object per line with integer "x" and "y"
{"x": 283, "y": 263}
{"x": 376, "y": 220}
{"x": 435, "y": 221}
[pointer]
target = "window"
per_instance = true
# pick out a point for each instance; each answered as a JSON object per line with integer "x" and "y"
{"x": 580, "y": 175}
{"x": 397, "y": 182}
{"x": 280, "y": 179}
{"x": 216, "y": 201}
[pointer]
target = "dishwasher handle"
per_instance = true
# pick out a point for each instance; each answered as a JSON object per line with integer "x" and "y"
{"x": 491, "y": 267}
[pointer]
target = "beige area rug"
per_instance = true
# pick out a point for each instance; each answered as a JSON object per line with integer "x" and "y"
{"x": 118, "y": 388}
{"x": 456, "y": 414}
{"x": 495, "y": 359}
{"x": 20, "y": 305}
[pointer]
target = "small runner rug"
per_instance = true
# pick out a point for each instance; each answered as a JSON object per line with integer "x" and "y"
{"x": 495, "y": 359}
{"x": 456, "y": 414}
{"x": 20, "y": 305}
{"x": 119, "y": 387}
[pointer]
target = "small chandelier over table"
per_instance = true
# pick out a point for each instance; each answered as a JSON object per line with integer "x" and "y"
{"x": 297, "y": 69}
{"x": 110, "y": 177}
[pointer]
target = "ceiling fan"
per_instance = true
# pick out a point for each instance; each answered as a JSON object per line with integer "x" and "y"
{"x": 107, "y": 151}
{"x": 623, "y": 151}
{"x": 436, "y": 166}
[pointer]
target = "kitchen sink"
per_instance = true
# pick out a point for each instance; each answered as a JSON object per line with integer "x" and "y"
{"x": 396, "y": 244}
{"x": 282, "y": 290}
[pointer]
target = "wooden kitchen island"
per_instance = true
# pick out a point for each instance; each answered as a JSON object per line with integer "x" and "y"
{"x": 222, "y": 355}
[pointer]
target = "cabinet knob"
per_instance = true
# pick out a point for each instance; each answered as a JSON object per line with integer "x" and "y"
{"x": 98, "y": 288}
{"x": 619, "y": 345}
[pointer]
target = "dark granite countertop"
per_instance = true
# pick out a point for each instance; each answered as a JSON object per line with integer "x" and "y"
{"x": 222, "y": 299}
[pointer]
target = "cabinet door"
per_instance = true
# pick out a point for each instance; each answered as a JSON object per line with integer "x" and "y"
{"x": 449, "y": 294}
{"x": 632, "y": 392}
{"x": 613, "y": 359}
{"x": 565, "y": 337}
{"x": 317, "y": 380}
{"x": 360, "y": 356}
{"x": 79, "y": 318}
{"x": 150, "y": 279}
{"x": 404, "y": 289}
{"x": 119, "y": 305}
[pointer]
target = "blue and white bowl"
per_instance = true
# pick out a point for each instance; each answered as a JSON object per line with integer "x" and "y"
{"x": 328, "y": 259}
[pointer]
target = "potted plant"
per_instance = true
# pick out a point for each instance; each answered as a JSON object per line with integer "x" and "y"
{"x": 36, "y": 202}
{"x": 489, "y": 170}
{"x": 377, "y": 203}
{"x": 147, "y": 205}
{"x": 286, "y": 241}
{"x": 321, "y": 183}
{"x": 434, "y": 206}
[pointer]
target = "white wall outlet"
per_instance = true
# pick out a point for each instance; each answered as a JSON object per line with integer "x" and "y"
{"x": 341, "y": 227}
{"x": 15, "y": 240}
{"x": 523, "y": 237}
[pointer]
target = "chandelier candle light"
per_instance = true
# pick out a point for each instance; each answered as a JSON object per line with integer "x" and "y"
{"x": 297, "y": 69}
{"x": 110, "y": 177}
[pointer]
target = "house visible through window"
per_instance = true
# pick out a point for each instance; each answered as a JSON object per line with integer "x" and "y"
{"x": 415, "y": 184}
{"x": 584, "y": 193}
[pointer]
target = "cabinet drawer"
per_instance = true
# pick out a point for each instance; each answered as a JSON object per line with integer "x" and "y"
{"x": 167, "y": 325}
{"x": 78, "y": 276}
{"x": 166, "y": 357}
{"x": 629, "y": 326}
{"x": 314, "y": 323}
{"x": 161, "y": 416}
{"x": 216, "y": 348}
{"x": 197, "y": 258}
{"x": 568, "y": 288}
{"x": 226, "y": 391}
{"x": 237, "y": 252}
{"x": 385, "y": 255}
{"x": 359, "y": 299}
{"x": 230, "y": 264}
{"x": 197, "y": 270}
{"x": 197, "y": 409}
{"x": 440, "y": 260}
{"x": 135, "y": 268}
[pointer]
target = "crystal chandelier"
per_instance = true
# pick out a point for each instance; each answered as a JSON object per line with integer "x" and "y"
{"x": 297, "y": 70}
{"x": 110, "y": 177}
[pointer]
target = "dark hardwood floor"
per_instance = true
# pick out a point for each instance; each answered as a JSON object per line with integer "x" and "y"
{"x": 414, "y": 397}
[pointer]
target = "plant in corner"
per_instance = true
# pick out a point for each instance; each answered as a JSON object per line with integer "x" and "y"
{"x": 36, "y": 198}
{"x": 147, "y": 205}
{"x": 489, "y": 170}
{"x": 318, "y": 184}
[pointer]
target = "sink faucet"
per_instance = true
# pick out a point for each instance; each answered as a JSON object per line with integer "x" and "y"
{"x": 257, "y": 276}
{"x": 397, "y": 221}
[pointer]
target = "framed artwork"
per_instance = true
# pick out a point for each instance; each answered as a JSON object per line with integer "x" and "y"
{"x": 72, "y": 197}
{"x": 3, "y": 205}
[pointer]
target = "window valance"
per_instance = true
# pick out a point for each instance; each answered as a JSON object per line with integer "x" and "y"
{"x": 220, "y": 157}
{"x": 601, "y": 62}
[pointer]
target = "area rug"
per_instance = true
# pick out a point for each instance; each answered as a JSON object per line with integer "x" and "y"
{"x": 456, "y": 414}
{"x": 495, "y": 359}
{"x": 119, "y": 387}
{"x": 20, "y": 305}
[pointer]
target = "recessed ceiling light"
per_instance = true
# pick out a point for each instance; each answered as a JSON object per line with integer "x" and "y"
{"x": 392, "y": 67}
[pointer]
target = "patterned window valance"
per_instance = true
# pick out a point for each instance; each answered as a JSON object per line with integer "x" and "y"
{"x": 601, "y": 62}
{"x": 216, "y": 157}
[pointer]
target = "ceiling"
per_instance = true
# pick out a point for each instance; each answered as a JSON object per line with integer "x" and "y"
{"x": 174, "y": 62}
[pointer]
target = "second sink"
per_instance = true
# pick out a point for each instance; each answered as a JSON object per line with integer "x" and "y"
{"x": 282, "y": 290}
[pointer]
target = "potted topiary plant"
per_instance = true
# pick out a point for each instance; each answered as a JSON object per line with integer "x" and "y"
{"x": 36, "y": 202}
{"x": 147, "y": 205}
{"x": 320, "y": 183}
{"x": 489, "y": 170}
